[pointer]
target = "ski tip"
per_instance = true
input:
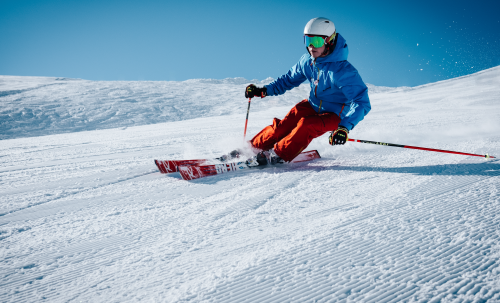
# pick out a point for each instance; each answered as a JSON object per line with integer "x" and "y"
{"x": 166, "y": 167}
{"x": 159, "y": 166}
{"x": 157, "y": 163}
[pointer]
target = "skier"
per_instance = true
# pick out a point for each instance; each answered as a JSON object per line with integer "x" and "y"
{"x": 337, "y": 102}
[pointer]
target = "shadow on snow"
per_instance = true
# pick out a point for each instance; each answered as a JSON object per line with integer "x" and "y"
{"x": 469, "y": 169}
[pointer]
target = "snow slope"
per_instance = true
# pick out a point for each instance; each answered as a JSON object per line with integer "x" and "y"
{"x": 85, "y": 215}
{"x": 40, "y": 106}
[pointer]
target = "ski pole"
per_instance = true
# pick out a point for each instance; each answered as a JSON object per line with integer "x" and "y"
{"x": 421, "y": 148}
{"x": 246, "y": 122}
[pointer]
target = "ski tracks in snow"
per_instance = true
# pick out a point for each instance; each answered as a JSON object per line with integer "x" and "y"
{"x": 92, "y": 256}
{"x": 443, "y": 243}
{"x": 384, "y": 260}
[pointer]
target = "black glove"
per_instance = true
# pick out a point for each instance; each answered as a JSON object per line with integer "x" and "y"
{"x": 254, "y": 91}
{"x": 339, "y": 136}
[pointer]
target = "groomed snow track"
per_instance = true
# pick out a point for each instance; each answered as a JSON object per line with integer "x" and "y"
{"x": 439, "y": 240}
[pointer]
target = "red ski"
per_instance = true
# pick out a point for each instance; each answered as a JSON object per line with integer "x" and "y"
{"x": 170, "y": 166}
{"x": 191, "y": 172}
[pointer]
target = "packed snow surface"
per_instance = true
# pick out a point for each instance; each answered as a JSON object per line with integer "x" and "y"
{"x": 85, "y": 216}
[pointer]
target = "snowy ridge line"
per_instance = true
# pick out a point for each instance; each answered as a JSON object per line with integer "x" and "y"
{"x": 6, "y": 216}
{"x": 5, "y": 93}
{"x": 440, "y": 83}
{"x": 464, "y": 261}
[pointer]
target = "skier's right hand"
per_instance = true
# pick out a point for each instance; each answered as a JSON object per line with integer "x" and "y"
{"x": 254, "y": 91}
{"x": 339, "y": 136}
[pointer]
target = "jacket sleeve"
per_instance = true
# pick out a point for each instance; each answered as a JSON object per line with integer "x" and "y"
{"x": 293, "y": 78}
{"x": 355, "y": 90}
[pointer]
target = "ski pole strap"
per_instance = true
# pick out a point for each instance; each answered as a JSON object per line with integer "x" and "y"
{"x": 420, "y": 148}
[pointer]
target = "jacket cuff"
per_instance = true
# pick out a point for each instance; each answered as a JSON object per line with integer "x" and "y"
{"x": 343, "y": 127}
{"x": 269, "y": 90}
{"x": 346, "y": 125}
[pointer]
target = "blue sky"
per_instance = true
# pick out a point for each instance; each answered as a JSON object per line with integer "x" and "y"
{"x": 392, "y": 43}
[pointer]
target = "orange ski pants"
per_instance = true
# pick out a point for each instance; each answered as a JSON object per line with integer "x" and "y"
{"x": 292, "y": 135}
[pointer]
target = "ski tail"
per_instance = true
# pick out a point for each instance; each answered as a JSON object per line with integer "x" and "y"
{"x": 192, "y": 172}
{"x": 306, "y": 156}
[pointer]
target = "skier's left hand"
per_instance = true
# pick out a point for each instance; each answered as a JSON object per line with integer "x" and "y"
{"x": 254, "y": 91}
{"x": 339, "y": 137}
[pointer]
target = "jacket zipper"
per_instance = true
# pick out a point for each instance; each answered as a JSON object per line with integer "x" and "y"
{"x": 316, "y": 88}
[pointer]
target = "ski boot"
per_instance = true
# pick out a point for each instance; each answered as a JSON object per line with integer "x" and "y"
{"x": 273, "y": 158}
{"x": 265, "y": 157}
{"x": 257, "y": 160}
{"x": 232, "y": 155}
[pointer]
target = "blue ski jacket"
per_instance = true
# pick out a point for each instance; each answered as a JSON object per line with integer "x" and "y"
{"x": 336, "y": 86}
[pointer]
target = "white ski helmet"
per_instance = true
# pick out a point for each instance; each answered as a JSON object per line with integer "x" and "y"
{"x": 319, "y": 27}
{"x": 322, "y": 27}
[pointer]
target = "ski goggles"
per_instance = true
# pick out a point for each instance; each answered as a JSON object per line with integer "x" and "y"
{"x": 316, "y": 41}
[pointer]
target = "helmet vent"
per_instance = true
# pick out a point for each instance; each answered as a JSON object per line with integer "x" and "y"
{"x": 327, "y": 21}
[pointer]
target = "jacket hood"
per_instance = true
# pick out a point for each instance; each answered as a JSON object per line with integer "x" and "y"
{"x": 339, "y": 53}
